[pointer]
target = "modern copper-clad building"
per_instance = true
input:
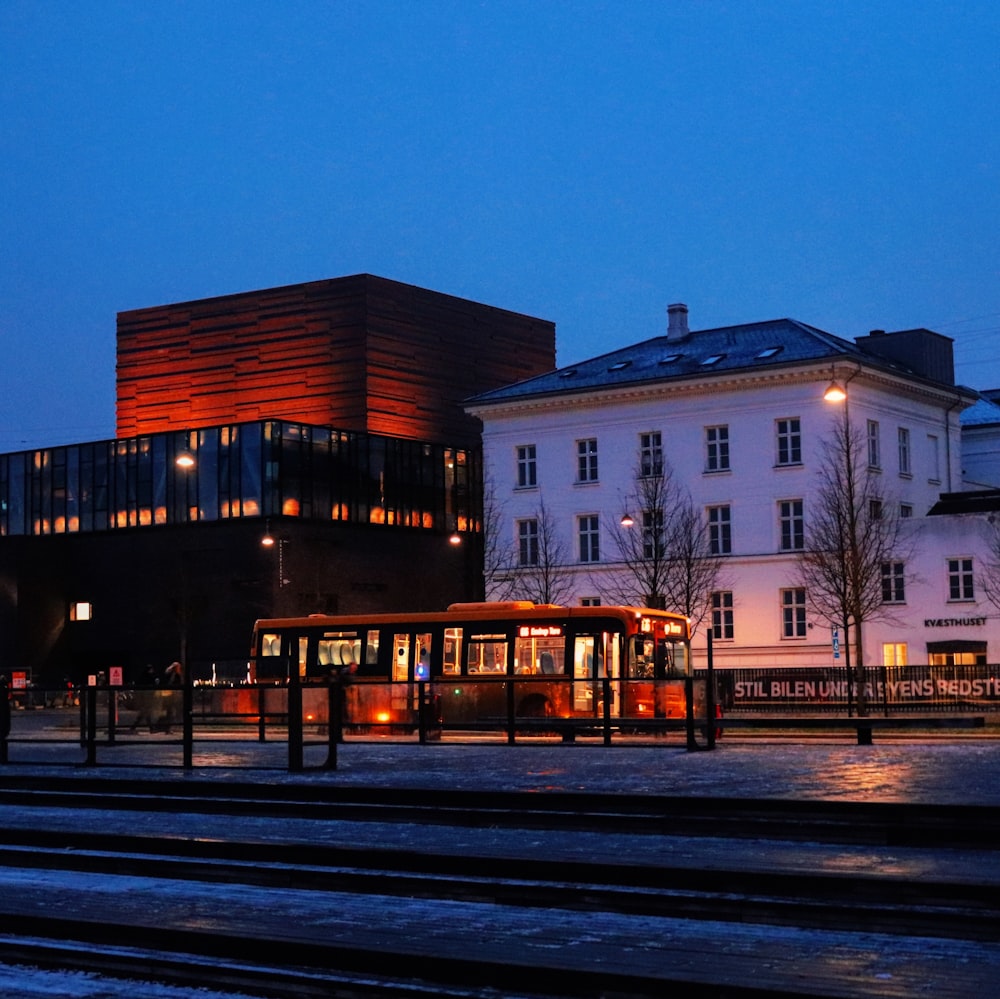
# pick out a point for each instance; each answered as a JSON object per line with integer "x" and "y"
{"x": 324, "y": 416}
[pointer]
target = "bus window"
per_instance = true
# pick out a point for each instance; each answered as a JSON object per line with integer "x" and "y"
{"x": 612, "y": 654}
{"x": 338, "y": 648}
{"x": 452, "y": 659}
{"x": 401, "y": 657}
{"x": 371, "y": 648}
{"x": 583, "y": 671}
{"x": 642, "y": 661}
{"x": 422, "y": 667}
{"x": 546, "y": 656}
{"x": 270, "y": 644}
{"x": 303, "y": 652}
{"x": 487, "y": 654}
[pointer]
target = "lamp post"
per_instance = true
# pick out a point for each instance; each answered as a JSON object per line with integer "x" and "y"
{"x": 838, "y": 393}
{"x": 269, "y": 541}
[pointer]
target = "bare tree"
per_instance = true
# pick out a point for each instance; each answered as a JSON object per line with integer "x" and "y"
{"x": 542, "y": 559}
{"x": 695, "y": 572}
{"x": 665, "y": 555}
{"x": 989, "y": 574}
{"x": 499, "y": 555}
{"x": 852, "y": 534}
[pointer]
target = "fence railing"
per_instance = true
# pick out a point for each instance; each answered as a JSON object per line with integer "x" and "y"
{"x": 321, "y": 713}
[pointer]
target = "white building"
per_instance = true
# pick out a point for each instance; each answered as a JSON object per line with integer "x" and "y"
{"x": 739, "y": 414}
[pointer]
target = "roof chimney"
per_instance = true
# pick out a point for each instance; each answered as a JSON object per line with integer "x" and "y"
{"x": 677, "y": 316}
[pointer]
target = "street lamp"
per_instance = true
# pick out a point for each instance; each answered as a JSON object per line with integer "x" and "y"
{"x": 269, "y": 541}
{"x": 837, "y": 393}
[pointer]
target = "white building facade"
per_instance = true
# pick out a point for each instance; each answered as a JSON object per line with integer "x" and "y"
{"x": 740, "y": 417}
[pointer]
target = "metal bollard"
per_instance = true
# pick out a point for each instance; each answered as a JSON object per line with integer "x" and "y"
{"x": 334, "y": 720}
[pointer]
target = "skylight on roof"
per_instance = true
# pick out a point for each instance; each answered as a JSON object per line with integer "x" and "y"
{"x": 568, "y": 373}
{"x": 670, "y": 358}
{"x": 770, "y": 351}
{"x": 618, "y": 365}
{"x": 712, "y": 359}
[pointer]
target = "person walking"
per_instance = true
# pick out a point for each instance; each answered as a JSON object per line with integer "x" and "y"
{"x": 144, "y": 698}
{"x": 173, "y": 680}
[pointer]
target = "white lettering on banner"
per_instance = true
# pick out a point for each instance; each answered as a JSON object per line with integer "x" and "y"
{"x": 775, "y": 689}
{"x": 969, "y": 688}
{"x": 903, "y": 689}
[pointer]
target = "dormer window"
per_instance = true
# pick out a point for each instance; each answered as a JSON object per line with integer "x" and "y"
{"x": 619, "y": 365}
{"x": 568, "y": 373}
{"x": 712, "y": 359}
{"x": 671, "y": 358}
{"x": 770, "y": 352}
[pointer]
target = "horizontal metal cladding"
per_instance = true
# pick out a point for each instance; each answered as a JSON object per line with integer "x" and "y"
{"x": 359, "y": 351}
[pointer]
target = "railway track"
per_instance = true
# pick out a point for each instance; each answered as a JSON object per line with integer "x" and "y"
{"x": 370, "y": 891}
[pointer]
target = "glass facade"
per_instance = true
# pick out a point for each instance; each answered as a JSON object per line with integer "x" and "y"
{"x": 261, "y": 469}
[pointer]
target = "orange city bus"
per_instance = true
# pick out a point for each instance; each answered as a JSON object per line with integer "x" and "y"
{"x": 487, "y": 661}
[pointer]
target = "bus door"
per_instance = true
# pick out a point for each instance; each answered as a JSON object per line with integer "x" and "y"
{"x": 594, "y": 658}
{"x": 411, "y": 662}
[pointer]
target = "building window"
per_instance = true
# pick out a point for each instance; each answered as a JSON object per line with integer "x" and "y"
{"x": 934, "y": 457}
{"x": 874, "y": 447}
{"x": 589, "y": 535}
{"x": 720, "y": 537}
{"x": 650, "y": 454}
{"x": 527, "y": 542}
{"x": 792, "y": 522}
{"x": 586, "y": 460}
{"x": 590, "y": 601}
{"x": 906, "y": 509}
{"x": 793, "y": 613}
{"x": 893, "y": 583}
{"x": 722, "y": 615}
{"x": 894, "y": 653}
{"x": 960, "y": 579}
{"x": 903, "y": 441}
{"x": 717, "y": 449}
{"x": 789, "y": 441}
{"x": 652, "y": 534}
{"x": 527, "y": 467}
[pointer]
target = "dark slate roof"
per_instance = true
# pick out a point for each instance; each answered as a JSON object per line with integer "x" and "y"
{"x": 973, "y": 501}
{"x": 736, "y": 348}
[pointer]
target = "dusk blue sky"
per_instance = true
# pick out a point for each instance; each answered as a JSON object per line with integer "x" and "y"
{"x": 588, "y": 163}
